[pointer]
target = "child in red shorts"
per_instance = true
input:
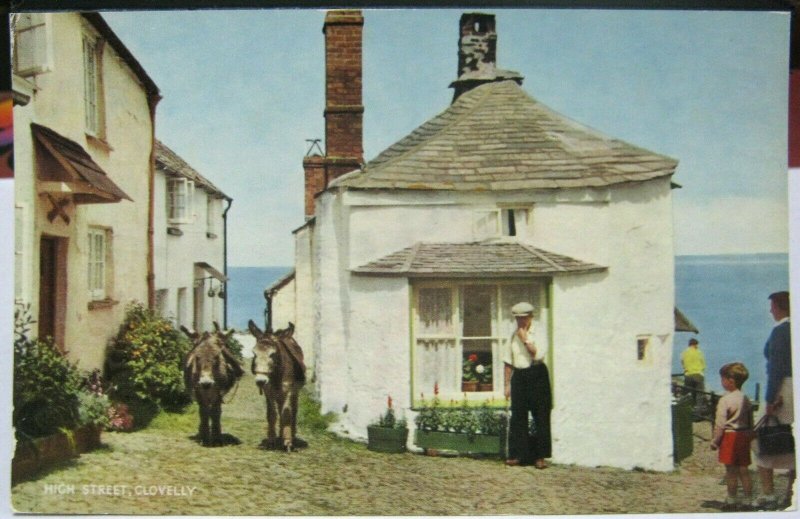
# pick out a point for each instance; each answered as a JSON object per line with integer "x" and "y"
{"x": 733, "y": 431}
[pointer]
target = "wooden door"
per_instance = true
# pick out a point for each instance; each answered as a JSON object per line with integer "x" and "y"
{"x": 48, "y": 283}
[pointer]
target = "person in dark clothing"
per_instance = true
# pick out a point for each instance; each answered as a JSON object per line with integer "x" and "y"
{"x": 527, "y": 384}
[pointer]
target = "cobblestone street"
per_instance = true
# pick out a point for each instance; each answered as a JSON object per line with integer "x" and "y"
{"x": 161, "y": 471}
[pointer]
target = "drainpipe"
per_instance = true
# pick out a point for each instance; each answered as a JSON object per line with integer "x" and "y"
{"x": 152, "y": 101}
{"x": 225, "y": 262}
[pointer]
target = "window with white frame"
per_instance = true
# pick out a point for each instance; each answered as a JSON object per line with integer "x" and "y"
{"x": 459, "y": 329}
{"x": 92, "y": 85}
{"x": 180, "y": 192}
{"x": 31, "y": 44}
{"x": 98, "y": 263}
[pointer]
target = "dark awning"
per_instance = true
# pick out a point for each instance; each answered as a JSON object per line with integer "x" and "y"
{"x": 86, "y": 181}
{"x": 475, "y": 259}
{"x": 683, "y": 324}
{"x": 211, "y": 270}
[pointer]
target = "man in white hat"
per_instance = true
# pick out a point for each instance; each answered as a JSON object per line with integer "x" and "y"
{"x": 527, "y": 384}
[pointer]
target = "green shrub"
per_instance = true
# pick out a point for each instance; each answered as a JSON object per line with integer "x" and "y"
{"x": 235, "y": 347}
{"x": 309, "y": 413}
{"x": 46, "y": 386}
{"x": 144, "y": 363}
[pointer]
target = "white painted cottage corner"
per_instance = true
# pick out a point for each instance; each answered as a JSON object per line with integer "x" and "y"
{"x": 409, "y": 264}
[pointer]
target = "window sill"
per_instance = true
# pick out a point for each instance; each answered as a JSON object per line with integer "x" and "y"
{"x": 98, "y": 142}
{"x": 211, "y": 236}
{"x": 102, "y": 304}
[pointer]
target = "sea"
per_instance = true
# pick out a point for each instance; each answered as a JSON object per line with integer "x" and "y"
{"x": 725, "y": 296}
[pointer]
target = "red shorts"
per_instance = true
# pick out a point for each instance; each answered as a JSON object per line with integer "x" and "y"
{"x": 735, "y": 448}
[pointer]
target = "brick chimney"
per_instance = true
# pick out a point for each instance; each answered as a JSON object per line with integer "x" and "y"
{"x": 314, "y": 168}
{"x": 477, "y": 54}
{"x": 344, "y": 110}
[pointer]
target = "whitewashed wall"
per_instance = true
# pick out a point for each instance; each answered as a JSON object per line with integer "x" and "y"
{"x": 175, "y": 256}
{"x": 58, "y": 104}
{"x": 362, "y": 338}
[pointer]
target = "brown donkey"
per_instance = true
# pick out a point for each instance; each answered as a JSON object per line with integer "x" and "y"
{"x": 280, "y": 374}
{"x": 210, "y": 370}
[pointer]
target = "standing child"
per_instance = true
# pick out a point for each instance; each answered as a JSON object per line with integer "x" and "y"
{"x": 733, "y": 431}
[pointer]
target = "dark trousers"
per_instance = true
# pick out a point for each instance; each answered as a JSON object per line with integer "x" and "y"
{"x": 530, "y": 394}
{"x": 696, "y": 382}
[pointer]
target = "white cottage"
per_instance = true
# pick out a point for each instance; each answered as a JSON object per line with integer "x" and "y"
{"x": 412, "y": 262}
{"x": 83, "y": 142}
{"x": 189, "y": 244}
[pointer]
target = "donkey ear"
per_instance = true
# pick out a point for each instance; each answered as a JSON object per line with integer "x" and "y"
{"x": 254, "y": 329}
{"x": 289, "y": 331}
{"x": 216, "y": 327}
{"x": 190, "y": 334}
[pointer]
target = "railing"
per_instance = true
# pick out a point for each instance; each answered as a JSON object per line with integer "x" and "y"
{"x": 704, "y": 402}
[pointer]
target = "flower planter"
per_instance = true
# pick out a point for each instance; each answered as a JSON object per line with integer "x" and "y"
{"x": 469, "y": 385}
{"x": 460, "y": 442}
{"x": 488, "y": 386}
{"x": 386, "y": 439}
{"x": 87, "y": 437}
{"x": 32, "y": 456}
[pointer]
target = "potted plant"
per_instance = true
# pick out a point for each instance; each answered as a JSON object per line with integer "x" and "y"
{"x": 483, "y": 372}
{"x": 469, "y": 378}
{"x": 388, "y": 434}
{"x": 464, "y": 429}
{"x": 93, "y": 413}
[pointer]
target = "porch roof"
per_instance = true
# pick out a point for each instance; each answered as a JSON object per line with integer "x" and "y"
{"x": 487, "y": 259}
{"x": 80, "y": 168}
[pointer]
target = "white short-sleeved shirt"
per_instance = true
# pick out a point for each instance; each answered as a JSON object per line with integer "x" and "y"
{"x": 517, "y": 355}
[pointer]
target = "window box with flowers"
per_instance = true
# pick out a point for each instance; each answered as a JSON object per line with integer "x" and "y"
{"x": 464, "y": 429}
{"x": 388, "y": 434}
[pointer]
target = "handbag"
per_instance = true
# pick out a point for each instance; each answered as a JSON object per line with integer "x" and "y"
{"x": 774, "y": 439}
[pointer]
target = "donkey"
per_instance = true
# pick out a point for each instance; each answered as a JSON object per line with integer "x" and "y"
{"x": 280, "y": 374}
{"x": 210, "y": 370}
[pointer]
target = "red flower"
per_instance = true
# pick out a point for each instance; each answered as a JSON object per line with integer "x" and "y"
{"x": 389, "y": 402}
{"x": 436, "y": 389}
{"x": 473, "y": 358}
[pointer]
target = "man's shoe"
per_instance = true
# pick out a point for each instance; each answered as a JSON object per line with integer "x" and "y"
{"x": 540, "y": 464}
{"x": 512, "y": 463}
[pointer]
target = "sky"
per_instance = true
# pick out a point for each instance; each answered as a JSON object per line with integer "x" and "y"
{"x": 243, "y": 90}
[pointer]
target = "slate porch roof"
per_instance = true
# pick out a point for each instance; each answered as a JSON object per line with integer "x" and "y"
{"x": 474, "y": 259}
{"x": 173, "y": 164}
{"x": 497, "y": 137}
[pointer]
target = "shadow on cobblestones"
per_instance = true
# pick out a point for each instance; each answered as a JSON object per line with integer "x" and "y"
{"x": 160, "y": 470}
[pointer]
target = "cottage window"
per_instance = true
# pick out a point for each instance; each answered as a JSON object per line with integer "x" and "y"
{"x": 459, "y": 329}
{"x": 31, "y": 53}
{"x": 92, "y": 86}
{"x": 642, "y": 348}
{"x": 180, "y": 193}
{"x": 99, "y": 248}
{"x": 514, "y": 221}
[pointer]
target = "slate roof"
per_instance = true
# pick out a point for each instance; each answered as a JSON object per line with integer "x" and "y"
{"x": 173, "y": 164}
{"x": 485, "y": 259}
{"x": 497, "y": 137}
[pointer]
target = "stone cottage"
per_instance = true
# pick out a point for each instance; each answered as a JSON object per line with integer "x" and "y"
{"x": 409, "y": 264}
